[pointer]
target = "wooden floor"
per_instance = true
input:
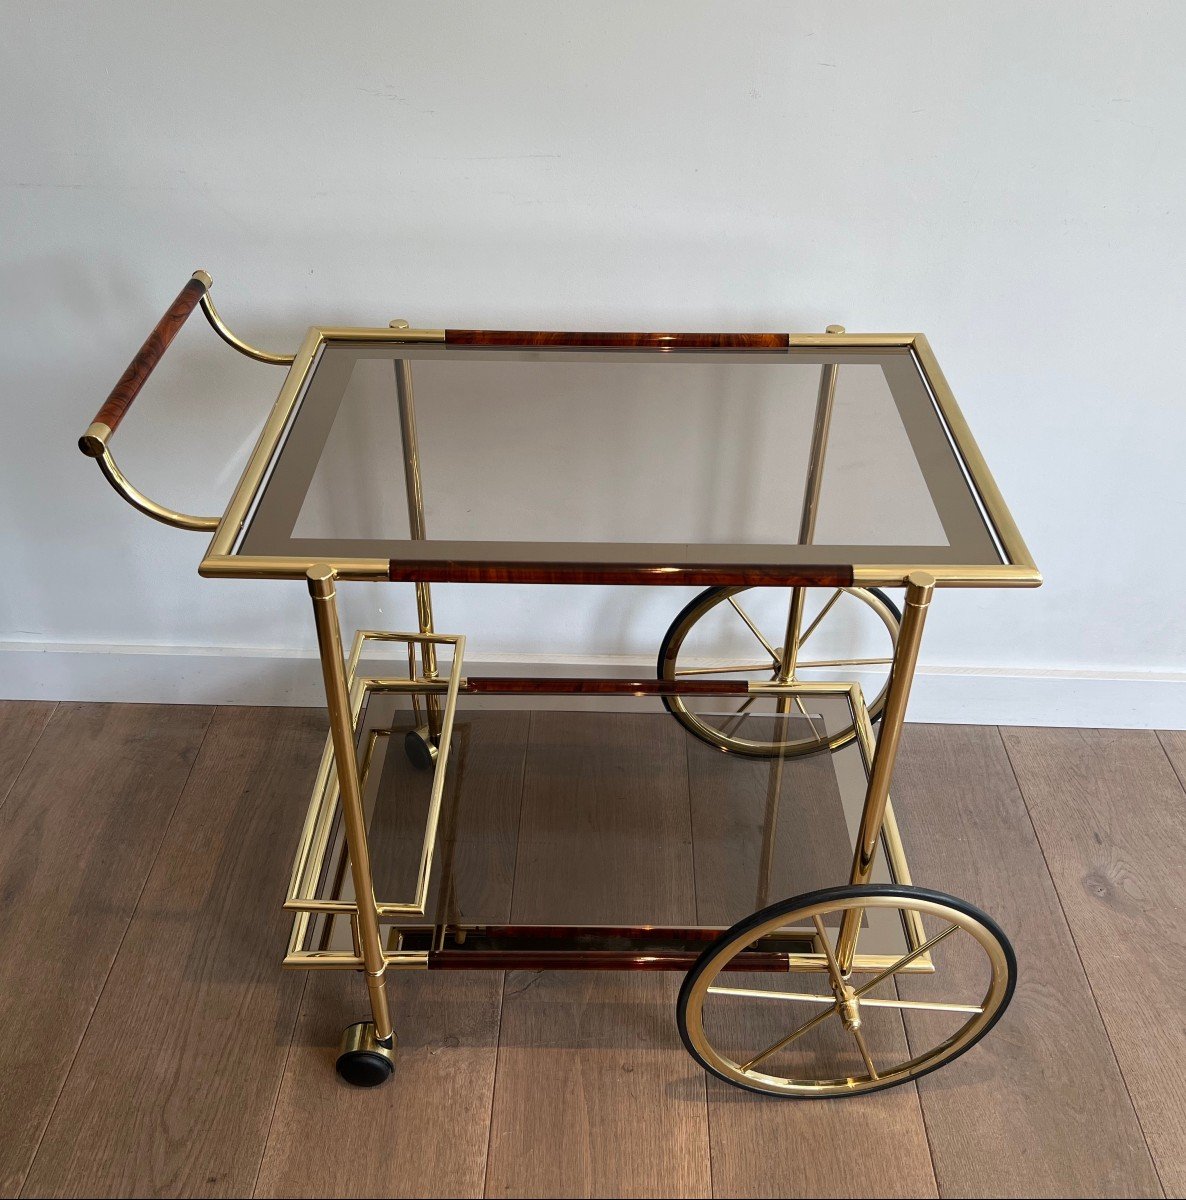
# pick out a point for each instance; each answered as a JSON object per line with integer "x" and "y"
{"x": 150, "y": 1044}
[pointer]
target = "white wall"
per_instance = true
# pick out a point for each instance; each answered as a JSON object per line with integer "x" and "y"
{"x": 1008, "y": 178}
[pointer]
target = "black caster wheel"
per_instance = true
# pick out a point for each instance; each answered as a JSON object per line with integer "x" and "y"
{"x": 420, "y": 748}
{"x": 363, "y": 1060}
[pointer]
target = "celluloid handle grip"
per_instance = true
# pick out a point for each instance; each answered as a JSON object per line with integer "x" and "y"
{"x": 107, "y": 419}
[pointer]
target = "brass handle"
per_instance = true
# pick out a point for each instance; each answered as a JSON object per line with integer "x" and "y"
{"x": 107, "y": 419}
{"x": 93, "y": 443}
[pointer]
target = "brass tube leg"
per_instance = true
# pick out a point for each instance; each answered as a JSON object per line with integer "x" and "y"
{"x": 329, "y": 643}
{"x": 824, "y": 403}
{"x": 790, "y": 645}
{"x": 428, "y": 658}
{"x": 415, "y": 499}
{"x": 920, "y": 588}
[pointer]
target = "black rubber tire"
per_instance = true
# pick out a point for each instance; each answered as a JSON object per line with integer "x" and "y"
{"x": 823, "y": 896}
{"x": 364, "y": 1068}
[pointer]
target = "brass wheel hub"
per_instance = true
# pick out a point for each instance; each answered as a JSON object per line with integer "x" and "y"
{"x": 849, "y": 1006}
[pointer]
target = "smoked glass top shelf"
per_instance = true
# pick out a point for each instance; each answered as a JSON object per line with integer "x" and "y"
{"x": 617, "y": 458}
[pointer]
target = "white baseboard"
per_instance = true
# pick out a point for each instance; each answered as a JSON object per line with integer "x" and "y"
{"x": 197, "y": 675}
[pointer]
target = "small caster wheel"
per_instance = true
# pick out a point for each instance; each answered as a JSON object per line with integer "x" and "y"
{"x": 363, "y": 1060}
{"x": 420, "y": 748}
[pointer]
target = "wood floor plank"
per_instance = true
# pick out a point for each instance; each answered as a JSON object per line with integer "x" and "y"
{"x": 605, "y": 835}
{"x": 1039, "y": 1107}
{"x": 762, "y": 834}
{"x": 1173, "y": 742}
{"x": 78, "y": 835}
{"x": 1110, "y": 813}
{"x": 172, "y": 1093}
{"x": 763, "y": 1146}
{"x": 425, "y": 1132}
{"x": 594, "y": 1093}
{"x": 173, "y": 1088}
{"x": 21, "y": 724}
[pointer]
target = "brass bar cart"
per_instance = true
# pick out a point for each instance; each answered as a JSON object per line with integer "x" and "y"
{"x": 792, "y": 660}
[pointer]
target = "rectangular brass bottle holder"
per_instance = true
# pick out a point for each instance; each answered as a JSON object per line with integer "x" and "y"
{"x": 313, "y": 865}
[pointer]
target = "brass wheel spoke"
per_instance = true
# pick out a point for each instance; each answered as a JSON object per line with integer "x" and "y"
{"x": 834, "y": 1006}
{"x": 864, "y": 1049}
{"x": 846, "y": 662}
{"x": 872, "y": 1002}
{"x": 774, "y": 657}
{"x": 925, "y": 1005}
{"x": 786, "y": 1041}
{"x": 823, "y": 612}
{"x": 761, "y": 994}
{"x": 723, "y": 670}
{"x": 905, "y": 960}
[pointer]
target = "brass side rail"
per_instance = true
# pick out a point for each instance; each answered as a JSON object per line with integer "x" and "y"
{"x": 459, "y": 947}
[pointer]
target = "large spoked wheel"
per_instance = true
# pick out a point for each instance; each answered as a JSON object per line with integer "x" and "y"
{"x": 848, "y": 635}
{"x": 821, "y": 1033}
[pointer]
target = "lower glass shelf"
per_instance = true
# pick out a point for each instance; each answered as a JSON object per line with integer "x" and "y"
{"x": 590, "y": 831}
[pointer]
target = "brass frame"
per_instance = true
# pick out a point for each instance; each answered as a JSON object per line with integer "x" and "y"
{"x": 339, "y": 782}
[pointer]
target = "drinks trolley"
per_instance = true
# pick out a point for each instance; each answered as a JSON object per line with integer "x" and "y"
{"x": 781, "y": 665}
